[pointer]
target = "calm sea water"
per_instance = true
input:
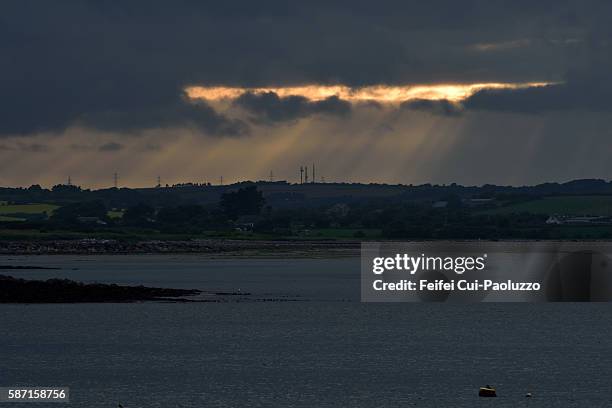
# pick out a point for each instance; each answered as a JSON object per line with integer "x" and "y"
{"x": 328, "y": 350}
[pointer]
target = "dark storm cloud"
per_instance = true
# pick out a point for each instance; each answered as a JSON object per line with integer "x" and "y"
{"x": 122, "y": 66}
{"x": 181, "y": 113}
{"x": 587, "y": 96}
{"x": 111, "y": 147}
{"x": 437, "y": 107}
{"x": 270, "y": 107}
{"x": 586, "y": 86}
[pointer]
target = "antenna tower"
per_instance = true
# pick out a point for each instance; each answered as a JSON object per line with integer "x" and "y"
{"x": 314, "y": 179}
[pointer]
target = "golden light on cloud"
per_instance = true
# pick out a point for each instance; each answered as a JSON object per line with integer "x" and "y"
{"x": 380, "y": 93}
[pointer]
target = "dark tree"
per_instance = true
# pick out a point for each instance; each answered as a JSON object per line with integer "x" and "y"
{"x": 70, "y": 213}
{"x": 139, "y": 215}
{"x": 190, "y": 219}
{"x": 65, "y": 188}
{"x": 246, "y": 201}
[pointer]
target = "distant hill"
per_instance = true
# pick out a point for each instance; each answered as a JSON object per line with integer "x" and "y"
{"x": 282, "y": 194}
{"x": 598, "y": 205}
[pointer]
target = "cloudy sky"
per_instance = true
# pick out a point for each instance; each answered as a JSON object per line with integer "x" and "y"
{"x": 473, "y": 92}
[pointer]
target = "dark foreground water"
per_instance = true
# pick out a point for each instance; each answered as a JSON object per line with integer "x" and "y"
{"x": 326, "y": 351}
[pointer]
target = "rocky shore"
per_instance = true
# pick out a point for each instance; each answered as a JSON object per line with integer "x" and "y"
{"x": 13, "y": 290}
{"x": 213, "y": 247}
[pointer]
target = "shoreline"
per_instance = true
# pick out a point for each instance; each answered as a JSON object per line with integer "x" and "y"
{"x": 213, "y": 247}
{"x": 223, "y": 248}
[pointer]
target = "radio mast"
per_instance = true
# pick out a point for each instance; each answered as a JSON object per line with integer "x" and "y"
{"x": 314, "y": 178}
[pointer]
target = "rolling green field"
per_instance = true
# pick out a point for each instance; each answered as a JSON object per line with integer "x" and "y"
{"x": 10, "y": 219}
{"x": 27, "y": 209}
{"x": 115, "y": 214}
{"x": 566, "y": 205}
{"x": 7, "y": 210}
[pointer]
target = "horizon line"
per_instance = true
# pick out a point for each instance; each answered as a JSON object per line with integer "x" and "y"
{"x": 285, "y": 182}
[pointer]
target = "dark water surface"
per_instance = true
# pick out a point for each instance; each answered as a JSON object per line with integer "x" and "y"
{"x": 326, "y": 351}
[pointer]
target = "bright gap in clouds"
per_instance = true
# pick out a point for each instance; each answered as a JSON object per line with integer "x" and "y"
{"x": 378, "y": 93}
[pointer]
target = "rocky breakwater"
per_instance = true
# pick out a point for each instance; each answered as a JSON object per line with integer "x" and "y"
{"x": 203, "y": 246}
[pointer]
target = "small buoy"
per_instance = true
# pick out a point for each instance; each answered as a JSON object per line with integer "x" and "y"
{"x": 528, "y": 395}
{"x": 487, "y": 391}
